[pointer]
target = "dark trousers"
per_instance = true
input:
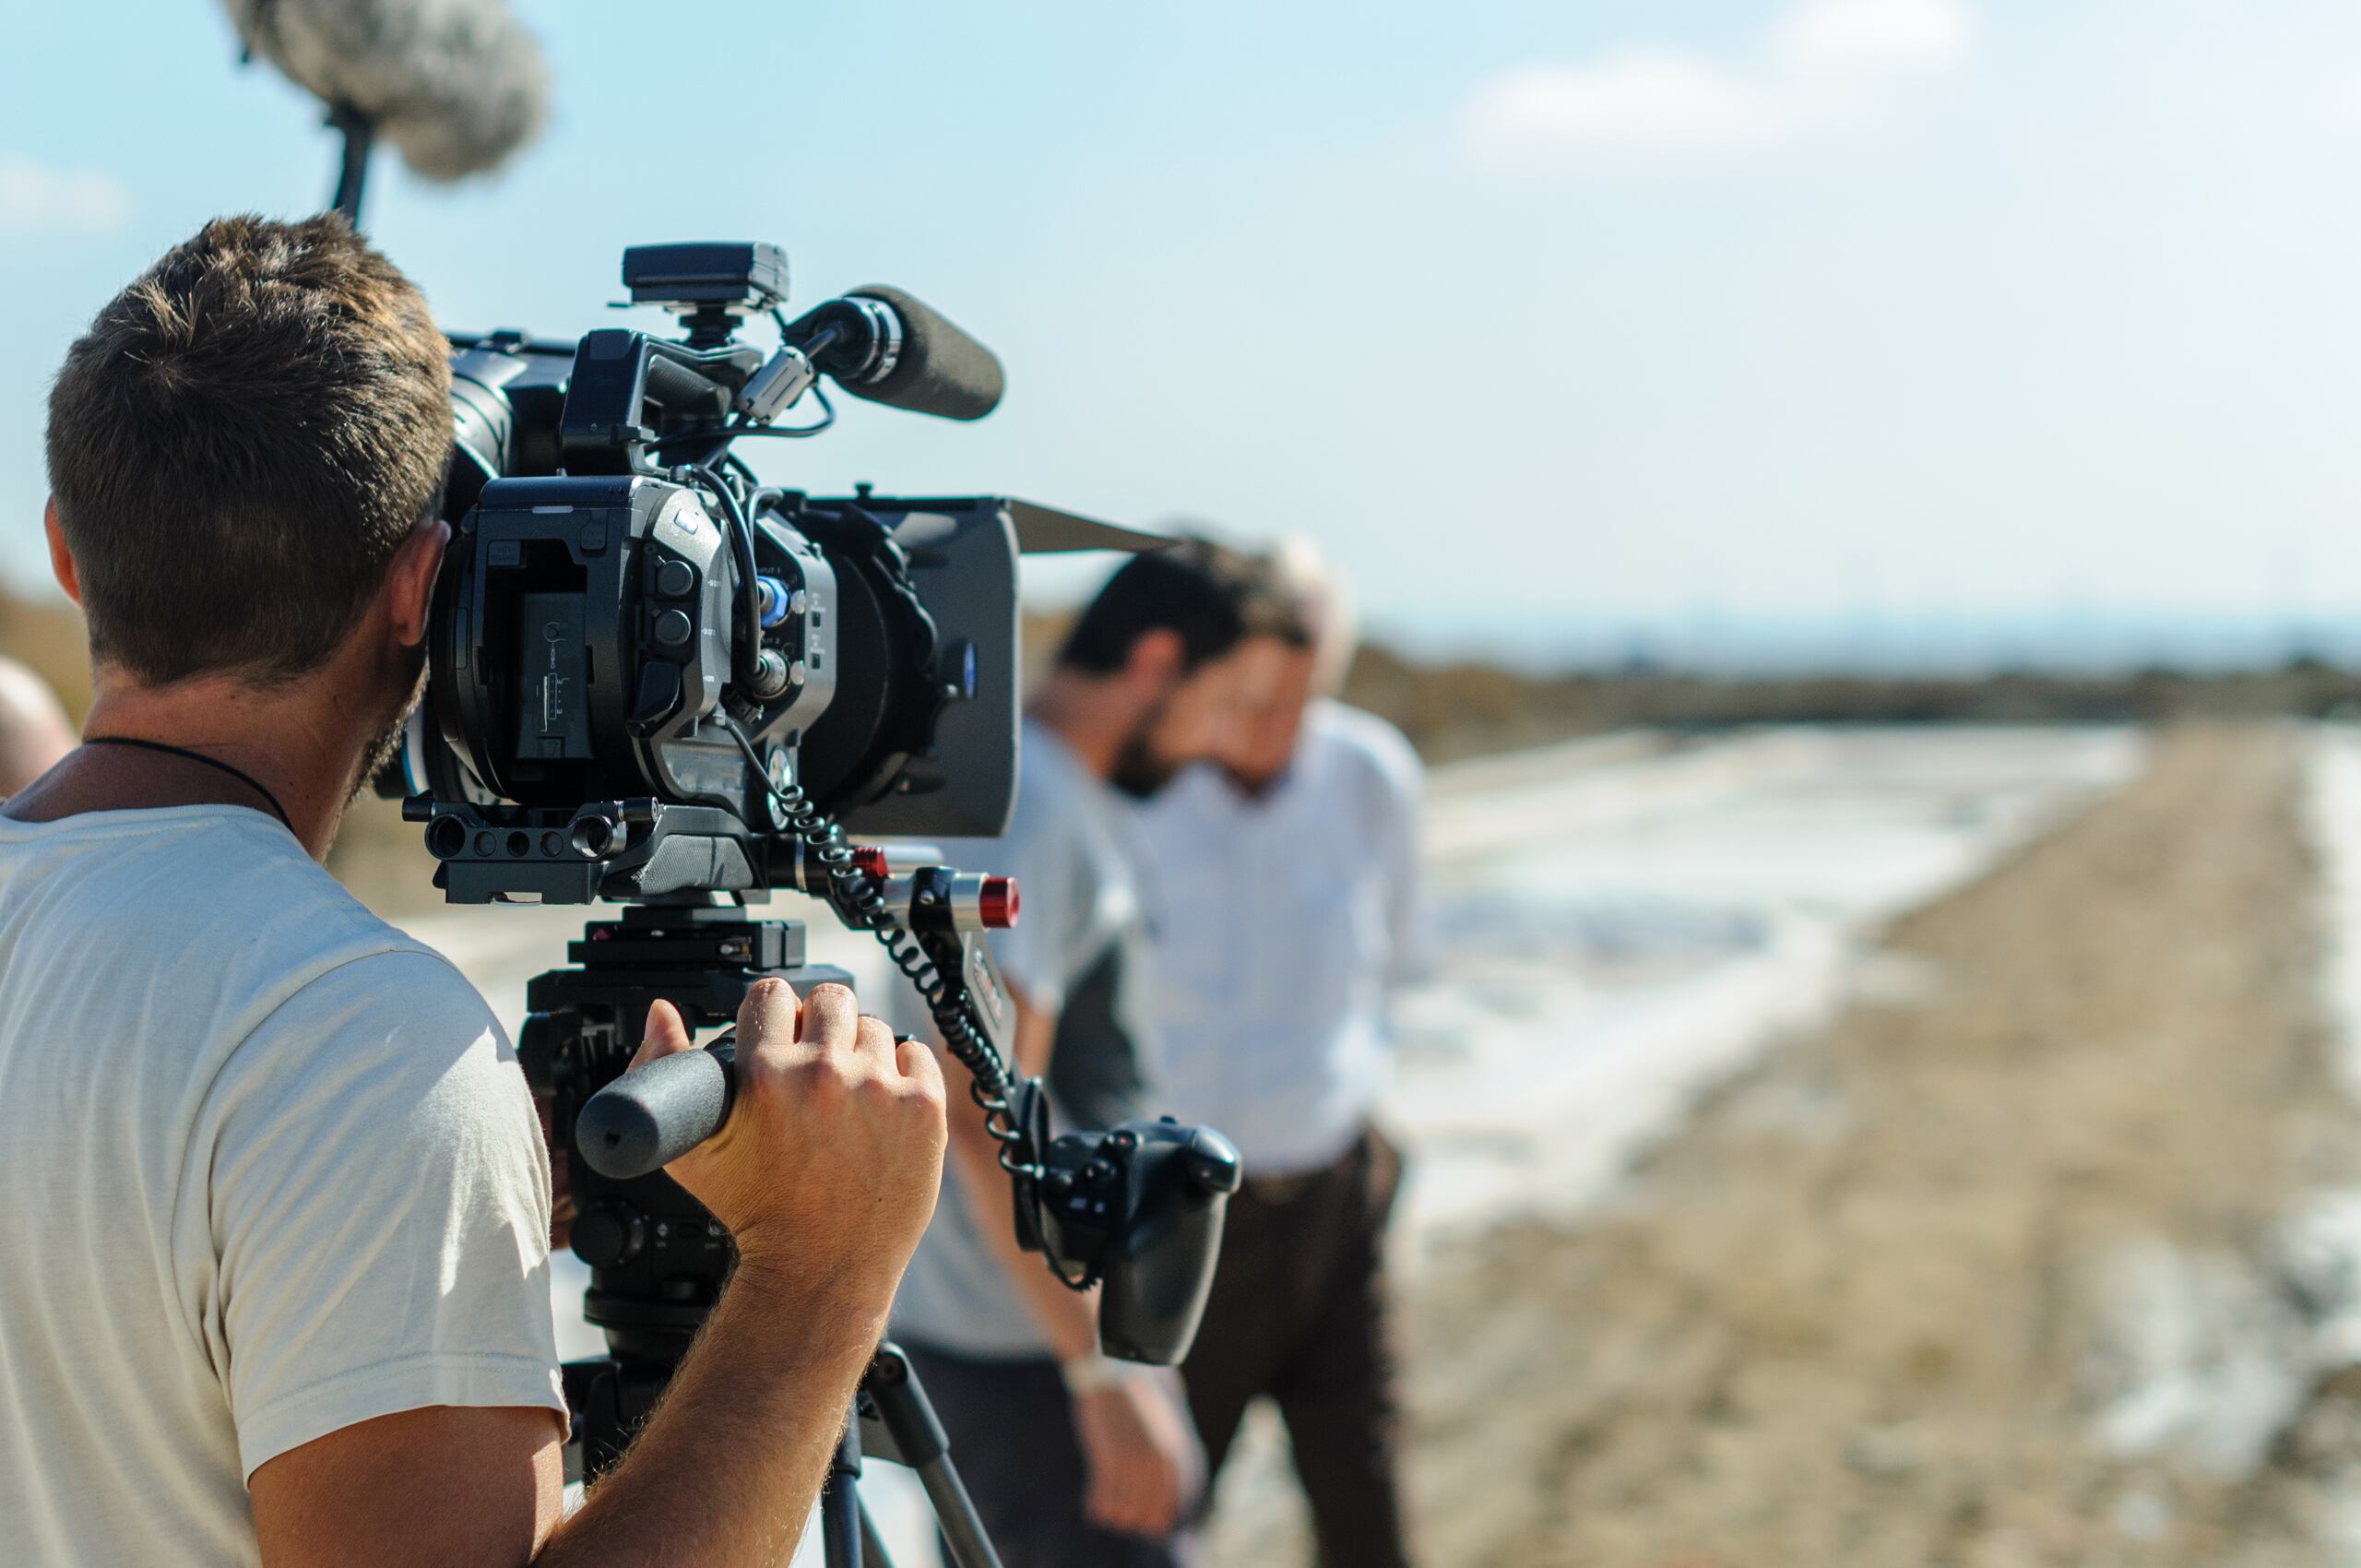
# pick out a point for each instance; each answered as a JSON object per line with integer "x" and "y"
{"x": 1299, "y": 1313}
{"x": 1012, "y": 1442}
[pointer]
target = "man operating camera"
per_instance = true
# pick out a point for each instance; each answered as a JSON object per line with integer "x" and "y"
{"x": 277, "y": 1208}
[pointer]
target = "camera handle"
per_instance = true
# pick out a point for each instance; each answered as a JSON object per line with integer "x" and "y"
{"x": 652, "y": 1115}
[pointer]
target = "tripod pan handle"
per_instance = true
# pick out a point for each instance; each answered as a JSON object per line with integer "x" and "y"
{"x": 652, "y": 1115}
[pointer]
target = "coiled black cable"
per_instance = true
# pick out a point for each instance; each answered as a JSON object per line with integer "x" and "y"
{"x": 860, "y": 901}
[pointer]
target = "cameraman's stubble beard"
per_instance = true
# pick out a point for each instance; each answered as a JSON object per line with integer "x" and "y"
{"x": 387, "y": 741}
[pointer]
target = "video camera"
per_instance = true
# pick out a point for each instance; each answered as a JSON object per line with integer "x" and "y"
{"x": 626, "y": 614}
{"x": 655, "y": 680}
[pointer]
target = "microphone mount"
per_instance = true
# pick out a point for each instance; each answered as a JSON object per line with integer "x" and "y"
{"x": 360, "y": 134}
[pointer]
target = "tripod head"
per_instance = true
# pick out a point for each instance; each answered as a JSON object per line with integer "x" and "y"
{"x": 1137, "y": 1209}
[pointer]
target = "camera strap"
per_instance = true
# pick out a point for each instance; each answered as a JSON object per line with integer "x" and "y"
{"x": 240, "y": 774}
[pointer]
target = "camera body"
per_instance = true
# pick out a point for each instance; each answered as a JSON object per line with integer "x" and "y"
{"x": 582, "y": 660}
{"x": 634, "y": 647}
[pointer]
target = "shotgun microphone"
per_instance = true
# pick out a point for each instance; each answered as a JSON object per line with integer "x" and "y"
{"x": 888, "y": 346}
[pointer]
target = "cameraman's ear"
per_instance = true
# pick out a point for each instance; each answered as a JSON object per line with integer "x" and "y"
{"x": 61, "y": 560}
{"x": 410, "y": 582}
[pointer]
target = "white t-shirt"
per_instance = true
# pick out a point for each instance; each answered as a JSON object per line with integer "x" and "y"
{"x": 1284, "y": 923}
{"x": 271, "y": 1168}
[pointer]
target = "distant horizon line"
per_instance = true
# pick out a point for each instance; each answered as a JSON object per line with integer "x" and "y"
{"x": 2081, "y": 640}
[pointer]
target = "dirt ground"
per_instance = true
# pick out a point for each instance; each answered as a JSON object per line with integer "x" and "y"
{"x": 1993, "y": 1271}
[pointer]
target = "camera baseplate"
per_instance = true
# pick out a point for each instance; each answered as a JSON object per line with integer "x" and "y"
{"x": 615, "y": 850}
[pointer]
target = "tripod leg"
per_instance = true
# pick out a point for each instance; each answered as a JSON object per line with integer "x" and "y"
{"x": 844, "y": 1523}
{"x": 919, "y": 1441}
{"x": 956, "y": 1514}
{"x": 873, "y": 1545}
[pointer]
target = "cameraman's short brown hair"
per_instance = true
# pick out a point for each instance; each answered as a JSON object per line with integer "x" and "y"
{"x": 240, "y": 444}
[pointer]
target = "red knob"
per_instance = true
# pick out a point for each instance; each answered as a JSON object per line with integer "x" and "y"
{"x": 871, "y": 858}
{"x": 996, "y": 903}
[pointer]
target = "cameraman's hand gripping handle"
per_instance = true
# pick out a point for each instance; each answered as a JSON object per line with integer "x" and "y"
{"x": 652, "y": 1115}
{"x": 1136, "y": 1211}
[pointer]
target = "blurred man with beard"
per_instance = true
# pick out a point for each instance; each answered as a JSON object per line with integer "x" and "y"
{"x": 1076, "y": 1461}
{"x": 1287, "y": 902}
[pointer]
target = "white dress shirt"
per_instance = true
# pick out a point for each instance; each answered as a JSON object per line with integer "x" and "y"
{"x": 1282, "y": 925}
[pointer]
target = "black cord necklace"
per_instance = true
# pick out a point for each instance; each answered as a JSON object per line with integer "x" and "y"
{"x": 240, "y": 774}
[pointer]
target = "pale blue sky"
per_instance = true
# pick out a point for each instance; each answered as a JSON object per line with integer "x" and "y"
{"x": 1540, "y": 316}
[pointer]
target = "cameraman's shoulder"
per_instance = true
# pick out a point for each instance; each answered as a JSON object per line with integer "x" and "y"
{"x": 387, "y": 1038}
{"x": 224, "y": 888}
{"x": 316, "y": 933}
{"x": 347, "y": 992}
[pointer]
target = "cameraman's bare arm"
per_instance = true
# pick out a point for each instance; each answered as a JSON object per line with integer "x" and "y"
{"x": 725, "y": 1472}
{"x": 825, "y": 1175}
{"x": 356, "y": 1496}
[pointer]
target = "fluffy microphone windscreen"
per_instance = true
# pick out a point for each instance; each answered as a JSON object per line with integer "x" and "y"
{"x": 456, "y": 85}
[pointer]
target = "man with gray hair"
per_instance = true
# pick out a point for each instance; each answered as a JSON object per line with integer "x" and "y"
{"x": 1285, "y": 895}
